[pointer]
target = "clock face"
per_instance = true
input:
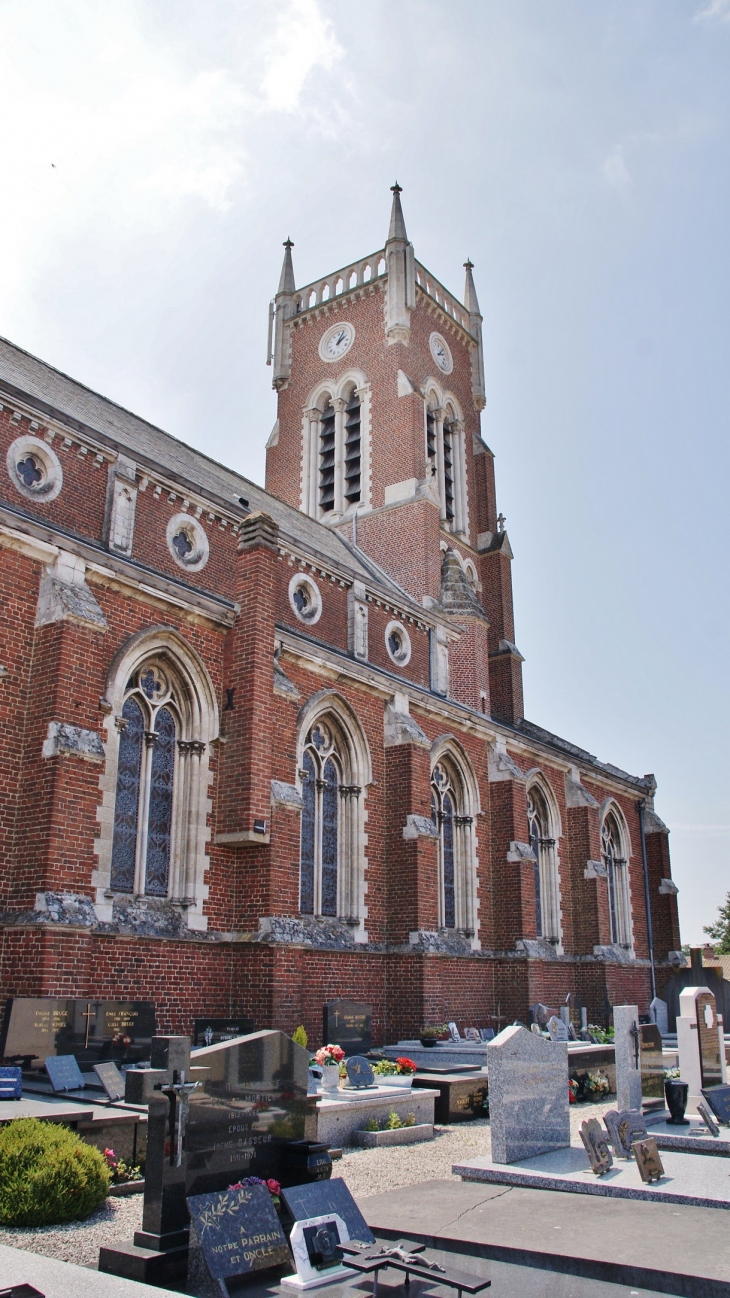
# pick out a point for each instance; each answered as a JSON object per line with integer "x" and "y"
{"x": 336, "y": 342}
{"x": 441, "y": 354}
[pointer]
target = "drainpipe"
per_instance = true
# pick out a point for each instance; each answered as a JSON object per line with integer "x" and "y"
{"x": 647, "y": 895}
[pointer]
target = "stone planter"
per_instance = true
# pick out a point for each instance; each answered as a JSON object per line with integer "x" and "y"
{"x": 123, "y": 1188}
{"x": 403, "y": 1082}
{"x": 401, "y": 1136}
{"x": 330, "y": 1077}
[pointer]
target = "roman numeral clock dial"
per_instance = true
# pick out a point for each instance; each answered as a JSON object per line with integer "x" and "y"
{"x": 336, "y": 342}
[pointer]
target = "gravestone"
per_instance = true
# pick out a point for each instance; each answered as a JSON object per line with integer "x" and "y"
{"x": 651, "y": 1063}
{"x": 486, "y": 1034}
{"x": 453, "y": 1031}
{"x": 11, "y": 1083}
{"x": 528, "y": 1095}
{"x": 111, "y": 1079}
{"x": 539, "y": 1014}
{"x": 64, "y": 1073}
{"x": 624, "y": 1127}
{"x": 208, "y": 1032}
{"x": 700, "y": 1042}
{"x": 93, "y": 1031}
{"x": 627, "y": 1044}
{"x": 359, "y": 1073}
{"x": 594, "y": 1143}
{"x": 348, "y": 1024}
{"x": 314, "y": 1243}
{"x": 647, "y": 1158}
{"x": 234, "y": 1233}
{"x": 471, "y": 1034}
{"x": 327, "y": 1197}
{"x": 659, "y": 1011}
{"x": 240, "y": 1110}
{"x": 704, "y": 1113}
{"x": 718, "y": 1098}
{"x": 557, "y": 1028}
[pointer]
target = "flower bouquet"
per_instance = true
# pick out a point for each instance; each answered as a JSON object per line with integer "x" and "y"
{"x": 329, "y": 1058}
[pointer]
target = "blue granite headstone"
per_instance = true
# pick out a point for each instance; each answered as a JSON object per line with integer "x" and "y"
{"x": 359, "y": 1072}
{"x": 238, "y": 1231}
{"x": 111, "y": 1079}
{"x": 321, "y": 1197}
{"x": 11, "y": 1084}
{"x": 718, "y": 1098}
{"x": 64, "y": 1073}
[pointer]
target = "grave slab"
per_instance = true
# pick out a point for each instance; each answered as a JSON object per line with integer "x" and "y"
{"x": 525, "y": 1232}
{"x": 689, "y": 1179}
{"x": 64, "y": 1280}
{"x": 461, "y": 1096}
{"x": 338, "y": 1118}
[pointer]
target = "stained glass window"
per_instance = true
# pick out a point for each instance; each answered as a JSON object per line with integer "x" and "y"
{"x": 159, "y": 830}
{"x": 615, "y": 866}
{"x": 306, "y": 869}
{"x": 443, "y": 809}
{"x": 329, "y": 839}
{"x": 537, "y": 833}
{"x": 182, "y": 544}
{"x": 29, "y": 472}
{"x": 127, "y": 800}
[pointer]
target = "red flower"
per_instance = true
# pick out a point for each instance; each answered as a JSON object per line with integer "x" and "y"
{"x": 406, "y": 1065}
{"x": 273, "y": 1186}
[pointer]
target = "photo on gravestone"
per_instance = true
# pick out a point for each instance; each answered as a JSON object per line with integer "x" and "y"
{"x": 322, "y": 1198}
{"x": 528, "y": 1095}
{"x": 709, "y": 1040}
{"x": 718, "y": 1098}
{"x": 93, "y": 1031}
{"x": 234, "y": 1233}
{"x": 251, "y": 1105}
{"x": 111, "y": 1079}
{"x": 209, "y": 1032}
{"x": 703, "y": 1112}
{"x": 624, "y": 1127}
{"x": 359, "y": 1073}
{"x": 647, "y": 1159}
{"x": 315, "y": 1243}
{"x": 348, "y": 1024}
{"x": 64, "y": 1073}
{"x": 596, "y": 1147}
{"x": 652, "y": 1066}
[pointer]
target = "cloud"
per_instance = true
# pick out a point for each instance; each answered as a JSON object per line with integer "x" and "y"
{"x": 303, "y": 40}
{"x": 615, "y": 170}
{"x": 719, "y": 9}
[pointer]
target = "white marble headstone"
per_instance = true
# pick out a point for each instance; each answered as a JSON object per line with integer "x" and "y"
{"x": 628, "y": 1057}
{"x": 557, "y": 1028}
{"x": 307, "y": 1276}
{"x": 689, "y": 1045}
{"x": 528, "y": 1095}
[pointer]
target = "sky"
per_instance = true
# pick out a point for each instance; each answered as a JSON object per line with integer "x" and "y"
{"x": 155, "y": 155}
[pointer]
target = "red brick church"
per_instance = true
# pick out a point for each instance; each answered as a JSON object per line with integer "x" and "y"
{"x": 262, "y": 749}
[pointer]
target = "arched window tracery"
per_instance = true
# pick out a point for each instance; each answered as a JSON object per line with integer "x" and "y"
{"x": 543, "y": 829}
{"x": 614, "y": 858}
{"x": 452, "y": 812}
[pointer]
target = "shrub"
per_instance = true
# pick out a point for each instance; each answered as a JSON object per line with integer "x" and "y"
{"x": 300, "y": 1036}
{"x": 385, "y": 1068}
{"x": 48, "y": 1174}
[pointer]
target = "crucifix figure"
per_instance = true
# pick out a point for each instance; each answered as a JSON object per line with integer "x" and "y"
{"x": 179, "y": 1094}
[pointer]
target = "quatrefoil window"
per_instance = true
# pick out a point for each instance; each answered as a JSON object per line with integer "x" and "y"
{"x": 187, "y": 541}
{"x": 34, "y": 469}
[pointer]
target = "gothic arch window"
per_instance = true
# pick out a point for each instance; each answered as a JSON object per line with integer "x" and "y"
{"x": 615, "y": 858}
{"x": 453, "y": 810}
{"x": 333, "y": 773}
{"x": 335, "y": 449}
{"x": 162, "y": 717}
{"x": 543, "y": 839}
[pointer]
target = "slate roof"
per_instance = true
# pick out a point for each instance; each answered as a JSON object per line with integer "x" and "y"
{"x": 58, "y": 395}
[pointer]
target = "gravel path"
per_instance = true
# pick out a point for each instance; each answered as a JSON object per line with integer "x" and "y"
{"x": 367, "y": 1171}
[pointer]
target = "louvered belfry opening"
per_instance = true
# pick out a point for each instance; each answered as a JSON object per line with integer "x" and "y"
{"x": 327, "y": 459}
{"x": 431, "y": 436}
{"x": 352, "y": 449}
{"x": 448, "y": 474}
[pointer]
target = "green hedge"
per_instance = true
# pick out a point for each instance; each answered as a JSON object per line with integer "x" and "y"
{"x": 48, "y": 1174}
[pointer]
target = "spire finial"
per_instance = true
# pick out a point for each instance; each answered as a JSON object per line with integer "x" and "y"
{"x": 397, "y": 224}
{"x": 470, "y": 293}
{"x": 286, "y": 281}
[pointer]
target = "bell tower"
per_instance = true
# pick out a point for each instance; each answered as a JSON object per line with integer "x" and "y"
{"x": 379, "y": 371}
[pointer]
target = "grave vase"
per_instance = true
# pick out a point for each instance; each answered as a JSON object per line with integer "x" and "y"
{"x": 676, "y": 1093}
{"x": 330, "y": 1077}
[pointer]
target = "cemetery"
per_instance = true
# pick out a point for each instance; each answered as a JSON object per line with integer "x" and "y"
{"x": 245, "y": 1158}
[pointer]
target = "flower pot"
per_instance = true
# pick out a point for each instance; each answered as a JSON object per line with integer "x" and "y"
{"x": 330, "y": 1077}
{"x": 394, "y": 1079}
{"x": 676, "y": 1093}
{"x": 428, "y": 1041}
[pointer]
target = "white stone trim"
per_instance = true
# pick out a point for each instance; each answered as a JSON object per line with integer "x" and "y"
{"x": 52, "y": 481}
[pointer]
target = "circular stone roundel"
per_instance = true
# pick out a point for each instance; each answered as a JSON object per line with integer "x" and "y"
{"x": 34, "y": 469}
{"x": 336, "y": 342}
{"x": 187, "y": 541}
{"x": 398, "y": 643}
{"x": 441, "y": 353}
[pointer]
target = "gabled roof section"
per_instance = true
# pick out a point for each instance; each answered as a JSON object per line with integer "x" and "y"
{"x": 58, "y": 396}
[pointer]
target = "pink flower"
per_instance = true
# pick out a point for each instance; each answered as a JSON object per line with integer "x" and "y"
{"x": 273, "y": 1186}
{"x": 329, "y": 1055}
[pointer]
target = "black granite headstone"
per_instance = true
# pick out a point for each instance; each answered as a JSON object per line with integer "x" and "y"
{"x": 718, "y": 1098}
{"x": 651, "y": 1063}
{"x": 64, "y": 1073}
{"x": 322, "y": 1197}
{"x": 348, "y": 1024}
{"x": 111, "y": 1079}
{"x": 93, "y": 1031}
{"x": 238, "y": 1231}
{"x": 209, "y": 1032}
{"x": 359, "y": 1072}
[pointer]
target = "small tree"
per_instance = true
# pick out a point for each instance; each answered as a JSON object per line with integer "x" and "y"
{"x": 300, "y": 1036}
{"x": 720, "y": 930}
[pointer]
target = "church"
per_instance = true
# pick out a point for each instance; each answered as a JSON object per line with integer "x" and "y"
{"x": 262, "y": 749}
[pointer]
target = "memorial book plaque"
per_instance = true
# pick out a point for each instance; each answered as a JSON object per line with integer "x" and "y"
{"x": 594, "y": 1142}
{"x": 93, "y": 1031}
{"x": 111, "y": 1079}
{"x": 624, "y": 1128}
{"x": 64, "y": 1073}
{"x": 348, "y": 1024}
{"x": 718, "y": 1098}
{"x": 236, "y": 1232}
{"x": 647, "y": 1158}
